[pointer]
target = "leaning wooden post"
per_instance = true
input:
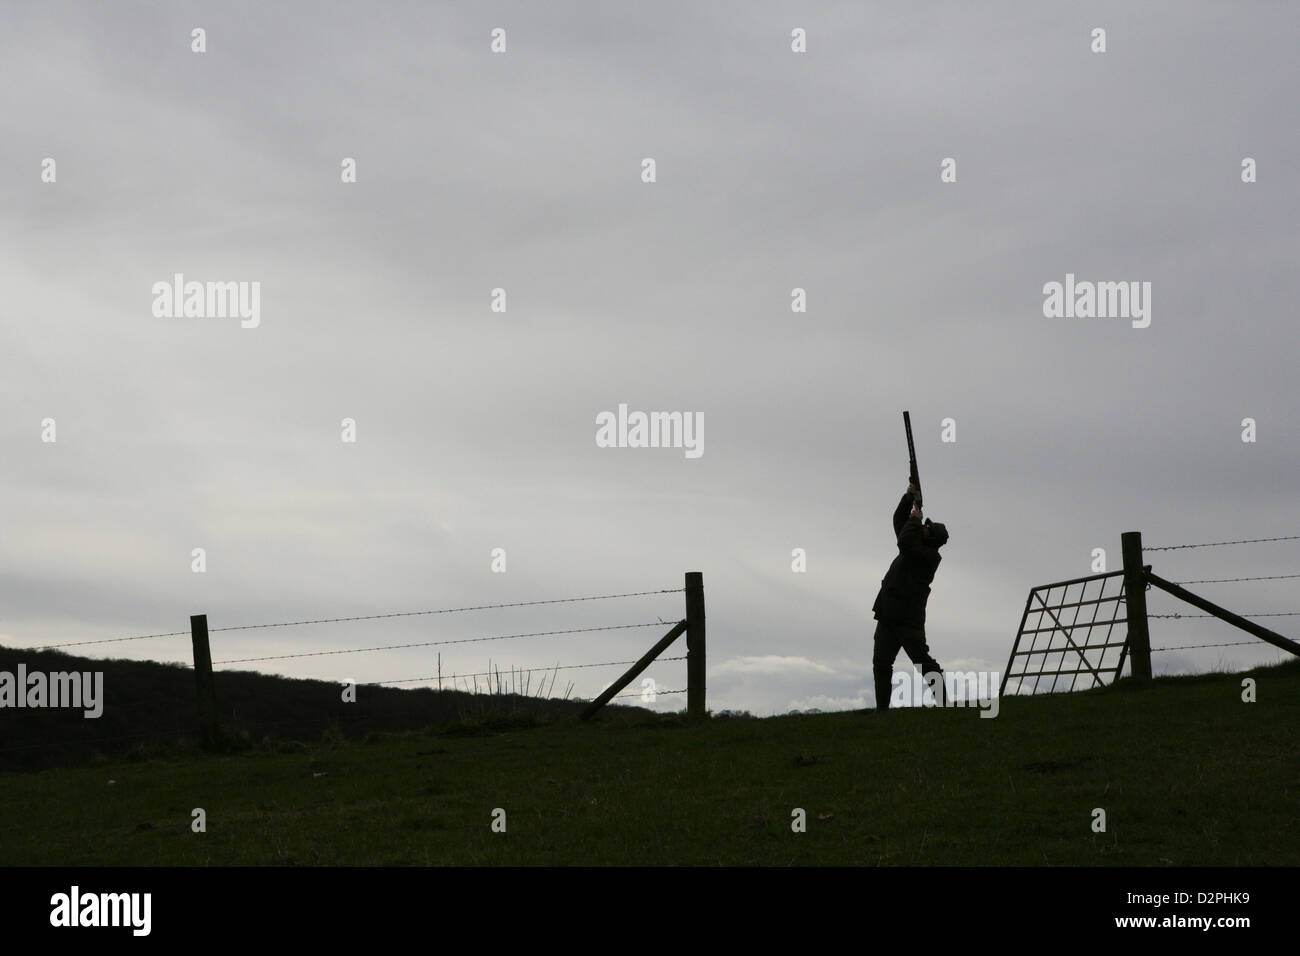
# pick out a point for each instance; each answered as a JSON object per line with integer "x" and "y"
{"x": 646, "y": 660}
{"x": 695, "y": 644}
{"x": 1263, "y": 633}
{"x": 203, "y": 679}
{"x": 1135, "y": 596}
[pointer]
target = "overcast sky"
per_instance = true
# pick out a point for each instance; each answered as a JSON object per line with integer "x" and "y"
{"x": 522, "y": 170}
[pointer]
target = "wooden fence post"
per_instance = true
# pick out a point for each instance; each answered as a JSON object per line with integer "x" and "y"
{"x": 1135, "y": 596}
{"x": 203, "y": 679}
{"x": 695, "y": 655}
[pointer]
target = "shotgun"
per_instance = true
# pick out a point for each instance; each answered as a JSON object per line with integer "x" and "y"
{"x": 911, "y": 457}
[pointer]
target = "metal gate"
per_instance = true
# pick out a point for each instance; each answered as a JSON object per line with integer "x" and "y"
{"x": 1061, "y": 645}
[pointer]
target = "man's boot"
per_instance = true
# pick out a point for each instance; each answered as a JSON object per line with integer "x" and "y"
{"x": 884, "y": 687}
{"x": 934, "y": 680}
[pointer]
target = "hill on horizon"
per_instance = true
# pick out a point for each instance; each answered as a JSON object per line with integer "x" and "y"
{"x": 150, "y": 705}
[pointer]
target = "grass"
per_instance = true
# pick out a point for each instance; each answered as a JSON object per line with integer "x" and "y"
{"x": 1186, "y": 772}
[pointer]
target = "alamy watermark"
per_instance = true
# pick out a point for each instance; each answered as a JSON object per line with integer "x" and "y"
{"x": 978, "y": 689}
{"x": 1102, "y": 300}
{"x": 651, "y": 430}
{"x": 76, "y": 908}
{"x": 179, "y": 299}
{"x": 57, "y": 689}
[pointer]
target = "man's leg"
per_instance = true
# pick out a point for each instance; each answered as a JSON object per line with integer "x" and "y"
{"x": 882, "y": 661}
{"x": 913, "y": 641}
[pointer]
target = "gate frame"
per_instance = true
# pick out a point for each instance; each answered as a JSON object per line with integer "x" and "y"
{"x": 1088, "y": 668}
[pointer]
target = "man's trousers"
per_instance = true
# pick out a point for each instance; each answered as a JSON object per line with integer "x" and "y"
{"x": 890, "y": 637}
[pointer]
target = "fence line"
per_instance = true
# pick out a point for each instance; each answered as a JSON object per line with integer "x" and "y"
{"x": 107, "y": 640}
{"x": 448, "y": 610}
{"x": 1267, "y": 577}
{"x": 1185, "y": 647}
{"x": 512, "y": 670}
{"x": 203, "y": 668}
{"x": 462, "y": 640}
{"x": 365, "y": 617}
{"x": 692, "y": 625}
{"x": 1217, "y": 544}
{"x": 1177, "y": 616}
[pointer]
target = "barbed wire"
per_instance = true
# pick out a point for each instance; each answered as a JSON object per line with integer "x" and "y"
{"x": 513, "y": 670}
{"x": 1215, "y": 544}
{"x": 641, "y": 693}
{"x": 1268, "y": 614}
{"x": 463, "y": 640}
{"x": 365, "y": 617}
{"x": 1269, "y": 577}
{"x": 107, "y": 640}
{"x": 447, "y": 610}
{"x": 1184, "y": 647}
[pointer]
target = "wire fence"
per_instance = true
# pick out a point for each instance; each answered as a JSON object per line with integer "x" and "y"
{"x": 1178, "y": 615}
{"x": 462, "y": 640}
{"x": 1181, "y": 616}
{"x": 416, "y": 644}
{"x": 516, "y": 675}
{"x": 1219, "y": 544}
{"x": 1265, "y": 577}
{"x": 520, "y": 670}
{"x": 1186, "y": 647}
{"x": 365, "y": 617}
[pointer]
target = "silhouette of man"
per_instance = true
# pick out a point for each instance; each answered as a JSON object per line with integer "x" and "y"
{"x": 900, "y": 606}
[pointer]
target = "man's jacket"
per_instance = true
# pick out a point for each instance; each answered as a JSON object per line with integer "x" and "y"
{"x": 906, "y": 585}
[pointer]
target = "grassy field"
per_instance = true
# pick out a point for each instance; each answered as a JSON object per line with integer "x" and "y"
{"x": 1186, "y": 772}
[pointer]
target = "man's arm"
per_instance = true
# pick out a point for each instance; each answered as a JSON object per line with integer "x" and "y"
{"x": 904, "y": 506}
{"x": 912, "y": 534}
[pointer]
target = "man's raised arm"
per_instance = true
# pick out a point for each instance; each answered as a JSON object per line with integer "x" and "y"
{"x": 904, "y": 508}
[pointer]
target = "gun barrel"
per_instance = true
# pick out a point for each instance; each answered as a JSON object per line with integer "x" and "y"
{"x": 911, "y": 455}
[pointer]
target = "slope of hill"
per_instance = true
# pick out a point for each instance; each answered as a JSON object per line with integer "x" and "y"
{"x": 1185, "y": 772}
{"x": 151, "y": 707}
